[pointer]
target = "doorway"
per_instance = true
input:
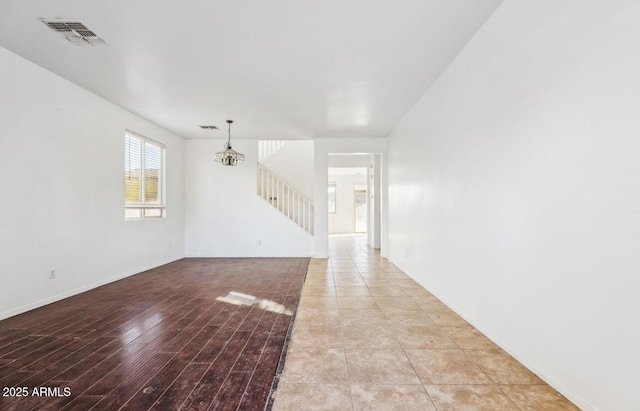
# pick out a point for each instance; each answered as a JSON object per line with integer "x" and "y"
{"x": 347, "y": 200}
{"x": 329, "y": 199}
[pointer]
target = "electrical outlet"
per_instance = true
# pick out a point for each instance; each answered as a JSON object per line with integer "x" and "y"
{"x": 259, "y": 242}
{"x": 52, "y": 275}
{"x": 170, "y": 246}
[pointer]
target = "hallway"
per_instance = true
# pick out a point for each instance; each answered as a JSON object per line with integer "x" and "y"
{"x": 366, "y": 336}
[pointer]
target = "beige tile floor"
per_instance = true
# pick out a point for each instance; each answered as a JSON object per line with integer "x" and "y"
{"x": 367, "y": 337}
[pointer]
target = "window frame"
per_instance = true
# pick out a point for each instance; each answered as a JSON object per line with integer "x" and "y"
{"x": 143, "y": 206}
{"x": 360, "y": 189}
{"x": 335, "y": 197}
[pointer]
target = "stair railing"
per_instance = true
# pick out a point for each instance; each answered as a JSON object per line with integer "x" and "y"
{"x": 285, "y": 198}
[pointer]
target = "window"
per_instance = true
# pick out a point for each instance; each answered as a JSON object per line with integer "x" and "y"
{"x": 144, "y": 191}
{"x": 360, "y": 208}
{"x": 331, "y": 196}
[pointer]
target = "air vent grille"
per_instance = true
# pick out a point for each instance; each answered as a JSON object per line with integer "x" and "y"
{"x": 209, "y": 127}
{"x": 75, "y": 32}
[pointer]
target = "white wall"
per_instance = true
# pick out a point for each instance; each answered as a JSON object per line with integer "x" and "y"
{"x": 514, "y": 192}
{"x": 62, "y": 185}
{"x": 343, "y": 220}
{"x": 293, "y": 163}
{"x": 224, "y": 215}
{"x": 349, "y": 160}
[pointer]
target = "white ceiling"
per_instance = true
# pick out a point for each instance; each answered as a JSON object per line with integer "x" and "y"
{"x": 282, "y": 69}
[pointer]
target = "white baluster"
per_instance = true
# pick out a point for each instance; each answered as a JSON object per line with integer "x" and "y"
{"x": 280, "y": 188}
{"x": 281, "y": 195}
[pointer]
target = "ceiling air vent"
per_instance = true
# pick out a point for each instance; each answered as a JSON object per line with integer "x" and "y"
{"x": 76, "y": 32}
{"x": 209, "y": 127}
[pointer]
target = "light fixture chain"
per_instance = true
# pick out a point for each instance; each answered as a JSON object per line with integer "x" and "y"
{"x": 229, "y": 157}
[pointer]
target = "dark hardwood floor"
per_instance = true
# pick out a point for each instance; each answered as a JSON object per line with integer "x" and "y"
{"x": 158, "y": 340}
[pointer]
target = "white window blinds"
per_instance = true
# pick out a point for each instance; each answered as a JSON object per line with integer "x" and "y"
{"x": 144, "y": 169}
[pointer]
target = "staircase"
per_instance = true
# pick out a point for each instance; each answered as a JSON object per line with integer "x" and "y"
{"x": 285, "y": 198}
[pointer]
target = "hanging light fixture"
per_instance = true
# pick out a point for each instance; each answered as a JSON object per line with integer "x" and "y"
{"x": 229, "y": 156}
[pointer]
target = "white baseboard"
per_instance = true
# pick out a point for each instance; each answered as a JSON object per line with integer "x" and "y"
{"x": 79, "y": 290}
{"x": 576, "y": 399}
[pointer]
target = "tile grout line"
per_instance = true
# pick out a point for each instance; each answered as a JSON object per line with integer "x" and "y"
{"x": 344, "y": 348}
{"x": 395, "y": 339}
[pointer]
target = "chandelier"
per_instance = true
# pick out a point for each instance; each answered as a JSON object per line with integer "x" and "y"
{"x": 229, "y": 156}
